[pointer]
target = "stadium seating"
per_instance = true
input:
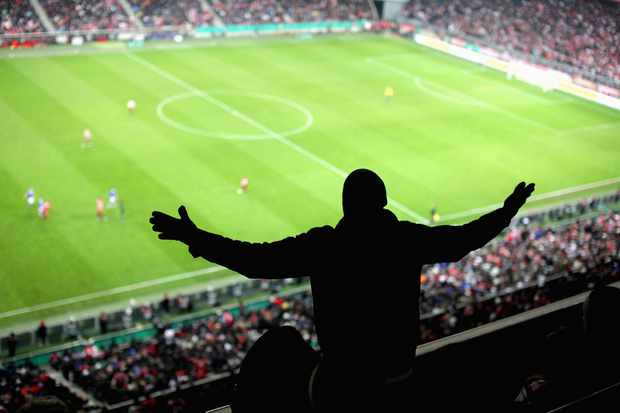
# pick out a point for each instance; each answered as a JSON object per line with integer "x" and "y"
{"x": 177, "y": 356}
{"x": 275, "y": 11}
{"x": 163, "y": 13}
{"x": 19, "y": 383}
{"x": 18, "y": 16}
{"x": 76, "y": 15}
{"x": 538, "y": 29}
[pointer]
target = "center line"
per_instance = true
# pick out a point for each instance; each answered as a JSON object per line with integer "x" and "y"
{"x": 250, "y": 121}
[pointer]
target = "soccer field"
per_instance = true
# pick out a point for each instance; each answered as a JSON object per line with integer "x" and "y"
{"x": 294, "y": 116}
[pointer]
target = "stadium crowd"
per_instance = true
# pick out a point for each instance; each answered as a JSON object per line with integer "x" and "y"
{"x": 176, "y": 356}
{"x": 164, "y": 13}
{"x": 75, "y": 15}
{"x": 525, "y": 255}
{"x": 510, "y": 276}
{"x": 19, "y": 384}
{"x": 18, "y": 16}
{"x": 581, "y": 33}
{"x": 530, "y": 266}
{"x": 277, "y": 11}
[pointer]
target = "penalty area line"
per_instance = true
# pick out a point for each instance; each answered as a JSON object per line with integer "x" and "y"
{"x": 111, "y": 291}
{"x": 256, "y": 124}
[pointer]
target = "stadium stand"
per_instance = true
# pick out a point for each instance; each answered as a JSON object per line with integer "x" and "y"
{"x": 273, "y": 11}
{"x": 127, "y": 371}
{"x": 80, "y": 15}
{"x": 177, "y": 356}
{"x": 162, "y": 13}
{"x": 18, "y": 16}
{"x": 74, "y": 15}
{"x": 20, "y": 383}
{"x": 582, "y": 34}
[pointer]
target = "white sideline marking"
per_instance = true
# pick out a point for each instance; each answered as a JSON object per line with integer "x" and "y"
{"x": 461, "y": 97}
{"x": 252, "y": 122}
{"x": 541, "y": 197}
{"x": 112, "y": 291}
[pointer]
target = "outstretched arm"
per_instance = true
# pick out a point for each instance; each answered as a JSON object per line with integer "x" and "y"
{"x": 289, "y": 257}
{"x": 447, "y": 243}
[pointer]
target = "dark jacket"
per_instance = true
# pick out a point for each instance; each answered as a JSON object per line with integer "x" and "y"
{"x": 365, "y": 278}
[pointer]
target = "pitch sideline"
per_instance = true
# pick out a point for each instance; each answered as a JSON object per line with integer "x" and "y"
{"x": 112, "y": 291}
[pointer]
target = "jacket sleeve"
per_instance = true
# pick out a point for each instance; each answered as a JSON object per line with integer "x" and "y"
{"x": 286, "y": 258}
{"x": 449, "y": 243}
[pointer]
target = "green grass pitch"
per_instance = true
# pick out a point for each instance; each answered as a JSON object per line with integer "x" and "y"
{"x": 293, "y": 116}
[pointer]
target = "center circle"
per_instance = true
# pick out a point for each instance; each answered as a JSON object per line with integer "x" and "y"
{"x": 267, "y": 134}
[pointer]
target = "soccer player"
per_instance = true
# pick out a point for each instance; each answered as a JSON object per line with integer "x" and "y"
{"x": 40, "y": 207}
{"x": 243, "y": 185}
{"x": 388, "y": 93}
{"x": 131, "y": 106}
{"x": 46, "y": 209}
{"x": 100, "y": 208}
{"x": 30, "y": 197}
{"x": 112, "y": 197}
{"x": 121, "y": 208}
{"x": 87, "y": 135}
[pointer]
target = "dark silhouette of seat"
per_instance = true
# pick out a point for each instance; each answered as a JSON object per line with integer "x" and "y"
{"x": 365, "y": 279}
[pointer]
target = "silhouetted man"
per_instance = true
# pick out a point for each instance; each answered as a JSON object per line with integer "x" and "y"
{"x": 369, "y": 254}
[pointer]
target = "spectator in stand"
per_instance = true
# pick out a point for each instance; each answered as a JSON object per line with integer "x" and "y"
{"x": 11, "y": 343}
{"x": 41, "y": 333}
{"x": 581, "y": 33}
{"x": 103, "y": 323}
{"x": 165, "y": 303}
{"x": 389, "y": 246}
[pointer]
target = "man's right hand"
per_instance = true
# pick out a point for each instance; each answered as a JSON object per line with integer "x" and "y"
{"x": 518, "y": 197}
{"x": 179, "y": 229}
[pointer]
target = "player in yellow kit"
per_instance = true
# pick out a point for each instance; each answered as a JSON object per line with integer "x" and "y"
{"x": 388, "y": 93}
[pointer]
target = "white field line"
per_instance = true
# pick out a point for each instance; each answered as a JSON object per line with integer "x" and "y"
{"x": 541, "y": 197}
{"x": 460, "y": 97}
{"x": 111, "y": 291}
{"x": 252, "y": 122}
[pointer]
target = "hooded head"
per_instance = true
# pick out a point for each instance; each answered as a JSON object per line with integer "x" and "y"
{"x": 363, "y": 194}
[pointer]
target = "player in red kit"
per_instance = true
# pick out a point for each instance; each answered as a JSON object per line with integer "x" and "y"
{"x": 243, "y": 185}
{"x": 100, "y": 209}
{"x": 45, "y": 209}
